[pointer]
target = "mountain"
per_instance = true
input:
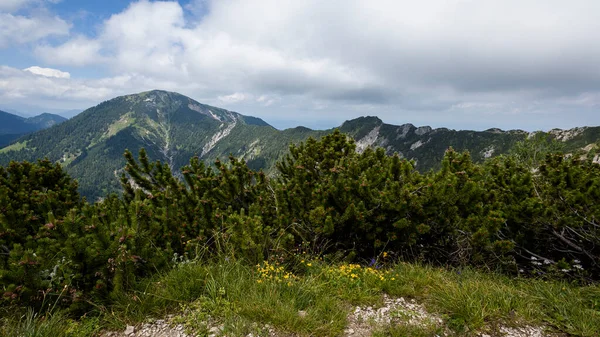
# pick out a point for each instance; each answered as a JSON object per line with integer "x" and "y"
{"x": 29, "y": 110}
{"x": 173, "y": 128}
{"x": 426, "y": 145}
{"x": 13, "y": 126}
{"x": 45, "y": 120}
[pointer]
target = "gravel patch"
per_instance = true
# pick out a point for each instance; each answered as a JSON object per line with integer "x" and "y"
{"x": 363, "y": 320}
{"x": 158, "y": 328}
{"x": 162, "y": 328}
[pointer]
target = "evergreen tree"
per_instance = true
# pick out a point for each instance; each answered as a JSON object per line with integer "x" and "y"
{"x": 34, "y": 200}
{"x": 344, "y": 201}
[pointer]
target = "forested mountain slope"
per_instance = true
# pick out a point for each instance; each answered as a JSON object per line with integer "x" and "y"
{"x": 173, "y": 128}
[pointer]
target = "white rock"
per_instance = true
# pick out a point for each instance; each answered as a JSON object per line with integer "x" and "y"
{"x": 215, "y": 330}
{"x": 368, "y": 140}
{"x": 129, "y": 330}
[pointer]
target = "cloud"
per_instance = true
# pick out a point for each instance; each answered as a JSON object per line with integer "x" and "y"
{"x": 17, "y": 29}
{"x": 79, "y": 51}
{"x": 437, "y": 61}
{"x": 154, "y": 39}
{"x": 12, "y": 5}
{"x": 35, "y": 87}
{"x": 35, "y": 84}
{"x": 234, "y": 98}
{"x": 48, "y": 72}
{"x": 265, "y": 100}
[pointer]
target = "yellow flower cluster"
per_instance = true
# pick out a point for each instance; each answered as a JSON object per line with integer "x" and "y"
{"x": 346, "y": 270}
{"x": 356, "y": 272}
{"x": 277, "y": 273}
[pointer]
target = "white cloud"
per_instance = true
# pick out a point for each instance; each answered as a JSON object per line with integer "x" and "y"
{"x": 12, "y": 5}
{"x": 234, "y": 98}
{"x": 48, "y": 72}
{"x": 435, "y": 60}
{"x": 31, "y": 87}
{"x": 17, "y": 29}
{"x": 79, "y": 51}
{"x": 266, "y": 100}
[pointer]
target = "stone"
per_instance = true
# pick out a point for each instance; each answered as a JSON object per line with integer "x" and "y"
{"x": 214, "y": 330}
{"x": 129, "y": 330}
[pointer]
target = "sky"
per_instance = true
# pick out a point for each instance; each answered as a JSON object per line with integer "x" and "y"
{"x": 461, "y": 64}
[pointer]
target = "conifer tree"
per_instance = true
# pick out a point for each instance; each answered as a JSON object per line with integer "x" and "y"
{"x": 342, "y": 200}
{"x": 197, "y": 209}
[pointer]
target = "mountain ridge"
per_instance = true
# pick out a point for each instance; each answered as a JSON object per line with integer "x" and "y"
{"x": 13, "y": 126}
{"x": 173, "y": 128}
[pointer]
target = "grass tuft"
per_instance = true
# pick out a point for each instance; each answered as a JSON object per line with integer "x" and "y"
{"x": 315, "y": 298}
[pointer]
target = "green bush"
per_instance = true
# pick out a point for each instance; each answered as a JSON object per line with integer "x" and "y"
{"x": 36, "y": 203}
{"x": 504, "y": 214}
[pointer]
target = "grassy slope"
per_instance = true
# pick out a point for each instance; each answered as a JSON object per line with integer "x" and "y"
{"x": 244, "y": 298}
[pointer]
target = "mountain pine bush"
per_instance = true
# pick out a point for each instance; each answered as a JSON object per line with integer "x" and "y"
{"x": 346, "y": 201}
{"x": 506, "y": 214}
{"x": 229, "y": 209}
{"x": 36, "y": 201}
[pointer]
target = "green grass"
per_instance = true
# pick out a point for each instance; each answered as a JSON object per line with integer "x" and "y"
{"x": 231, "y": 295}
{"x": 123, "y": 122}
{"x": 32, "y": 324}
{"x": 14, "y": 147}
{"x": 314, "y": 298}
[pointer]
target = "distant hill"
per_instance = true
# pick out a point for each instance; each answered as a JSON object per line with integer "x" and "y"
{"x": 173, "y": 128}
{"x": 45, "y": 120}
{"x": 13, "y": 126}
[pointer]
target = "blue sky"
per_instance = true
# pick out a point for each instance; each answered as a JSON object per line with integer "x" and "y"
{"x": 530, "y": 65}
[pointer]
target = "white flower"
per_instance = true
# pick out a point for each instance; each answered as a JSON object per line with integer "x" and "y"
{"x": 578, "y": 266}
{"x": 576, "y": 261}
{"x": 537, "y": 263}
{"x": 533, "y": 258}
{"x": 565, "y": 270}
{"x": 547, "y": 262}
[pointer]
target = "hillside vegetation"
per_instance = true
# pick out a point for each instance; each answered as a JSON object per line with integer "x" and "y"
{"x": 531, "y": 215}
{"x": 173, "y": 128}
